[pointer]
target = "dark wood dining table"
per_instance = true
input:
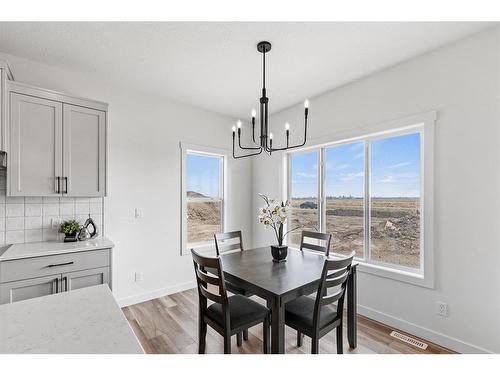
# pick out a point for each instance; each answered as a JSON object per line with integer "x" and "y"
{"x": 279, "y": 283}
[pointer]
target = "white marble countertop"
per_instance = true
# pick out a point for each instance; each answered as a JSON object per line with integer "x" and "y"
{"x": 37, "y": 249}
{"x": 82, "y": 321}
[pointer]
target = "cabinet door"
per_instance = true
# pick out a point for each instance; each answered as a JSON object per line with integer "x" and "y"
{"x": 31, "y": 288}
{"x": 83, "y": 279}
{"x": 84, "y": 147}
{"x": 35, "y": 157}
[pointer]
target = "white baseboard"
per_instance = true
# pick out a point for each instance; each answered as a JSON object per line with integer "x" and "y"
{"x": 422, "y": 332}
{"x": 146, "y": 296}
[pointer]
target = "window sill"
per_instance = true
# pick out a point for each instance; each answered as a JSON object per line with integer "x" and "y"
{"x": 395, "y": 274}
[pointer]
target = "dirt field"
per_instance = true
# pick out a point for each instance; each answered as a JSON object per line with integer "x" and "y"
{"x": 203, "y": 221}
{"x": 395, "y": 227}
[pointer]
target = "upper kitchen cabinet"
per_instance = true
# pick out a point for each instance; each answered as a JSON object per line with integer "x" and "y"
{"x": 34, "y": 161}
{"x": 57, "y": 144}
{"x": 84, "y": 148}
{"x": 5, "y": 75}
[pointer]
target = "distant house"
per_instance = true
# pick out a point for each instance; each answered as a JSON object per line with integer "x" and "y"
{"x": 310, "y": 205}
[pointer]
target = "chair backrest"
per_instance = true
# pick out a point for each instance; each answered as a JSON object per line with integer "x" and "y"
{"x": 216, "y": 280}
{"x": 228, "y": 242}
{"x": 323, "y": 237}
{"x": 334, "y": 275}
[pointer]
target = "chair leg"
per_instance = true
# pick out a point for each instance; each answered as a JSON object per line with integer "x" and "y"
{"x": 245, "y": 334}
{"x": 340, "y": 347}
{"x": 266, "y": 335}
{"x": 300, "y": 338}
{"x": 314, "y": 345}
{"x": 239, "y": 339}
{"x": 202, "y": 335}
{"x": 227, "y": 343}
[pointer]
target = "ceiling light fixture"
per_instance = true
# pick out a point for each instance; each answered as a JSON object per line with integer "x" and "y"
{"x": 266, "y": 138}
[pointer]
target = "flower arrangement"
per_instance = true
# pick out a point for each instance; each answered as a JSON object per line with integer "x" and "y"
{"x": 274, "y": 214}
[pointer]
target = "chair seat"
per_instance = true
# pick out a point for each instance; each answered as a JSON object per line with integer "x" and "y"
{"x": 242, "y": 310}
{"x": 299, "y": 315}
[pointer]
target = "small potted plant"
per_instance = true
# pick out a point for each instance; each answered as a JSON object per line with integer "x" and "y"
{"x": 274, "y": 215}
{"x": 70, "y": 228}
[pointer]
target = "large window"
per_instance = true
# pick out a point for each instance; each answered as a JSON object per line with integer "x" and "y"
{"x": 203, "y": 193}
{"x": 368, "y": 192}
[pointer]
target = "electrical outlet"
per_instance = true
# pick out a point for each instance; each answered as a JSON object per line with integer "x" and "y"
{"x": 138, "y": 277}
{"x": 55, "y": 223}
{"x": 442, "y": 308}
{"x": 138, "y": 213}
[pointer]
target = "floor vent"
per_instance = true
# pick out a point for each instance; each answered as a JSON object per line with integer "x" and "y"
{"x": 409, "y": 340}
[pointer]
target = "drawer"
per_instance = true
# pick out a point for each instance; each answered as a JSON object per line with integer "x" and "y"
{"x": 29, "y": 268}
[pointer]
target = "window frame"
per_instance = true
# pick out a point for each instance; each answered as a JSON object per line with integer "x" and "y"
{"x": 424, "y": 125}
{"x": 186, "y": 148}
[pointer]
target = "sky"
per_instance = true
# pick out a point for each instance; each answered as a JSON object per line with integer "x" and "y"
{"x": 395, "y": 169}
{"x": 203, "y": 174}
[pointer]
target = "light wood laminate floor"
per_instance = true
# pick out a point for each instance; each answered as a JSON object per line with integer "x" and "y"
{"x": 169, "y": 325}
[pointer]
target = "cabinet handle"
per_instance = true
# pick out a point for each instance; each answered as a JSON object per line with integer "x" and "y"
{"x": 58, "y": 185}
{"x": 60, "y": 264}
{"x": 65, "y": 185}
{"x": 57, "y": 285}
{"x": 65, "y": 278}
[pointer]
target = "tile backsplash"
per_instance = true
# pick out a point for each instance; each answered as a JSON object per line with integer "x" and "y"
{"x": 29, "y": 219}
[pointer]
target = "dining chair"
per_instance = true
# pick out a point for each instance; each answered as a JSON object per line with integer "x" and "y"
{"x": 315, "y": 317}
{"x": 231, "y": 242}
{"x": 228, "y": 242}
{"x": 326, "y": 238}
{"x": 228, "y": 316}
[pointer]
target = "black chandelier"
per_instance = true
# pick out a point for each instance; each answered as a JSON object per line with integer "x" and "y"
{"x": 266, "y": 139}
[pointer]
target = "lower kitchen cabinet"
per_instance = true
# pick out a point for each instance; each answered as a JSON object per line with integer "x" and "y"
{"x": 24, "y": 289}
{"x": 83, "y": 279}
{"x": 26, "y": 278}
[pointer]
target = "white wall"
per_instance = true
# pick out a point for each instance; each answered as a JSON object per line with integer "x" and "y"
{"x": 461, "y": 82}
{"x": 144, "y": 172}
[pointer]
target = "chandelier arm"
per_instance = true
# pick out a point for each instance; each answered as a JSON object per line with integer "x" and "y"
{"x": 245, "y": 148}
{"x": 244, "y": 156}
{"x": 305, "y": 138}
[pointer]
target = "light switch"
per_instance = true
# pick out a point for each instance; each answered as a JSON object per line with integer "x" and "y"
{"x": 138, "y": 213}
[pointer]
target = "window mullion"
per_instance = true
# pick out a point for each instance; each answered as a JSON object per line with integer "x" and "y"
{"x": 321, "y": 191}
{"x": 367, "y": 204}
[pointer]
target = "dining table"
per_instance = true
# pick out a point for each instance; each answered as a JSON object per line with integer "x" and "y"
{"x": 279, "y": 283}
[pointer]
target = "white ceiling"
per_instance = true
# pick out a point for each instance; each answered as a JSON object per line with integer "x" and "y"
{"x": 216, "y": 65}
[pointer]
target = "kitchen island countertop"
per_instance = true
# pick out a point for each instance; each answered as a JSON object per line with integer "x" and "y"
{"x": 82, "y": 321}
